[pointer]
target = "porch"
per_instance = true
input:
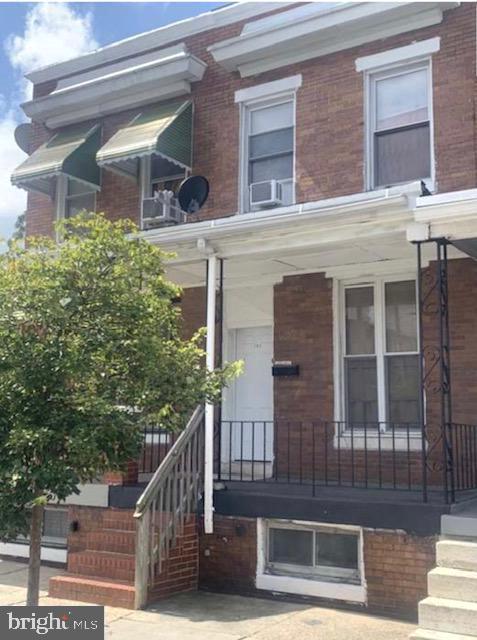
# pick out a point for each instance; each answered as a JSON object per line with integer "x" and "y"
{"x": 315, "y": 413}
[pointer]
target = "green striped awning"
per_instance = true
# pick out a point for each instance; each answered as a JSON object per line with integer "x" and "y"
{"x": 71, "y": 153}
{"x": 164, "y": 130}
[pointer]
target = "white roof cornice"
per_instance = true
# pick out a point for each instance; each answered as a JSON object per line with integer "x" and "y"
{"x": 155, "y": 39}
{"x": 165, "y": 75}
{"x": 310, "y": 31}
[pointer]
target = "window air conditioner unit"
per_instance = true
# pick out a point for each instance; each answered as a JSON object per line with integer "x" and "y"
{"x": 266, "y": 194}
{"x": 161, "y": 210}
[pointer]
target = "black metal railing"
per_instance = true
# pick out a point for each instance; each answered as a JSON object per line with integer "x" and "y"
{"x": 156, "y": 445}
{"x": 463, "y": 439}
{"x": 384, "y": 455}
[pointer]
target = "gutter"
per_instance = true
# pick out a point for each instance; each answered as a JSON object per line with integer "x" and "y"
{"x": 404, "y": 197}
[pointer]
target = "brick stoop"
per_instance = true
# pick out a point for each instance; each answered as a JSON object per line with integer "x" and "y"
{"x": 101, "y": 560}
{"x": 88, "y": 589}
{"x": 103, "y": 572}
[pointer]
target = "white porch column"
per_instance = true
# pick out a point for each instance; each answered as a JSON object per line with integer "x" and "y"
{"x": 209, "y": 408}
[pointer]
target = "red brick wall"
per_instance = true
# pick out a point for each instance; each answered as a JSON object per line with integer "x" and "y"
{"x": 396, "y": 564}
{"x": 330, "y": 124}
{"x": 180, "y": 571}
{"x": 228, "y": 557}
{"x": 303, "y": 326}
{"x": 396, "y": 567}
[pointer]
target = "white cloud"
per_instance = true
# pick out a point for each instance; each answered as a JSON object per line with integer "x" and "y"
{"x": 53, "y": 32}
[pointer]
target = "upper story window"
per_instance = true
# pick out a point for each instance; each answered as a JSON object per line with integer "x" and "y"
{"x": 270, "y": 150}
{"x": 267, "y": 144}
{"x": 400, "y": 126}
{"x": 380, "y": 353}
{"x": 73, "y": 197}
{"x": 163, "y": 176}
{"x": 79, "y": 197}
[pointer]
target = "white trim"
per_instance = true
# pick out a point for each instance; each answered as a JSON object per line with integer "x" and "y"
{"x": 308, "y": 586}
{"x": 268, "y": 89}
{"x": 169, "y": 74}
{"x": 267, "y": 95}
{"x": 370, "y": 79}
{"x": 301, "y": 35}
{"x": 408, "y": 53}
{"x": 385, "y": 441}
{"x": 156, "y": 38}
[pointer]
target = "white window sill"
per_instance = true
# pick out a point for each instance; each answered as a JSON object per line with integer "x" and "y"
{"x": 312, "y": 587}
{"x": 383, "y": 442}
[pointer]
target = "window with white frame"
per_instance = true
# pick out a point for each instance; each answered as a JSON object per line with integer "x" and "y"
{"x": 269, "y": 142}
{"x": 400, "y": 125}
{"x": 79, "y": 197}
{"x": 380, "y": 353}
{"x": 315, "y": 552}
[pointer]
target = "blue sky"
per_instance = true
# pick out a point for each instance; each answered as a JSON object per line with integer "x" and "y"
{"x": 35, "y": 34}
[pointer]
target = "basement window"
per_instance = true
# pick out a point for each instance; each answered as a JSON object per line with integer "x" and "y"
{"x": 319, "y": 553}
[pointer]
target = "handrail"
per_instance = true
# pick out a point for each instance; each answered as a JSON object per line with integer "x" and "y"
{"x": 168, "y": 501}
{"x": 167, "y": 464}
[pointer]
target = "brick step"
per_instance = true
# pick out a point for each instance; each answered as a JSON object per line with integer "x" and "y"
{"x": 457, "y": 554}
{"x": 95, "y": 590}
{"x": 102, "y": 564}
{"x": 451, "y": 616}
{"x": 121, "y": 519}
{"x": 113, "y": 540}
{"x": 453, "y": 583}
{"x": 426, "y": 634}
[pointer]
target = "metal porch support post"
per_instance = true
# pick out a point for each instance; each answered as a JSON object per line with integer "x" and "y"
{"x": 445, "y": 377}
{"x": 422, "y": 392}
{"x": 209, "y": 408}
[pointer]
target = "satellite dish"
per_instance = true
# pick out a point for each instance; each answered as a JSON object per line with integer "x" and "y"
{"x": 23, "y": 135}
{"x": 193, "y": 193}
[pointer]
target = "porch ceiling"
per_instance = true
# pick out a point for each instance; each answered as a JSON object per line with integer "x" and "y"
{"x": 368, "y": 255}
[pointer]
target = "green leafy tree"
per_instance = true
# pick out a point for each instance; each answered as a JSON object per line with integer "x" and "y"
{"x": 90, "y": 351}
{"x": 20, "y": 229}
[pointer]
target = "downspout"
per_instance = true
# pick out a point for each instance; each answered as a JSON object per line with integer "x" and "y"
{"x": 211, "y": 258}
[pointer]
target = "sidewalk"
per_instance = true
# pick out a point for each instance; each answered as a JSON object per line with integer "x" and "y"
{"x": 207, "y": 616}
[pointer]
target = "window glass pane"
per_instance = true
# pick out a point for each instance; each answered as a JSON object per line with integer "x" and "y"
{"x": 76, "y": 204}
{"x": 77, "y": 188}
{"x": 280, "y": 168}
{"x": 401, "y": 319}
{"x": 291, "y": 546}
{"x": 162, "y": 168}
{"x": 278, "y": 116}
{"x": 403, "y": 155}
{"x": 361, "y": 390}
{"x": 267, "y": 144}
{"x": 55, "y": 524}
{"x": 336, "y": 550}
{"x": 402, "y": 373}
{"x": 359, "y": 303}
{"x": 401, "y": 99}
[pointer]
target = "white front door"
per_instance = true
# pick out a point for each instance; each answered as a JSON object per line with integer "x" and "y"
{"x": 252, "y": 437}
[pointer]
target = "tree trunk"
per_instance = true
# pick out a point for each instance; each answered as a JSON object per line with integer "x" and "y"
{"x": 36, "y": 526}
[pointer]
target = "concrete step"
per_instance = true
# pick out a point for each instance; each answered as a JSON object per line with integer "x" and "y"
{"x": 454, "y": 584}
{"x": 426, "y": 634}
{"x": 111, "y": 540}
{"x": 451, "y": 616}
{"x": 102, "y": 564}
{"x": 87, "y": 589}
{"x": 457, "y": 554}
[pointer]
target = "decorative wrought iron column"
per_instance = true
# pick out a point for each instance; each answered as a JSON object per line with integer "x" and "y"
{"x": 434, "y": 369}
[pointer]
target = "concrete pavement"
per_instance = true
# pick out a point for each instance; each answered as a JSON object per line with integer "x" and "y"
{"x": 207, "y": 616}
